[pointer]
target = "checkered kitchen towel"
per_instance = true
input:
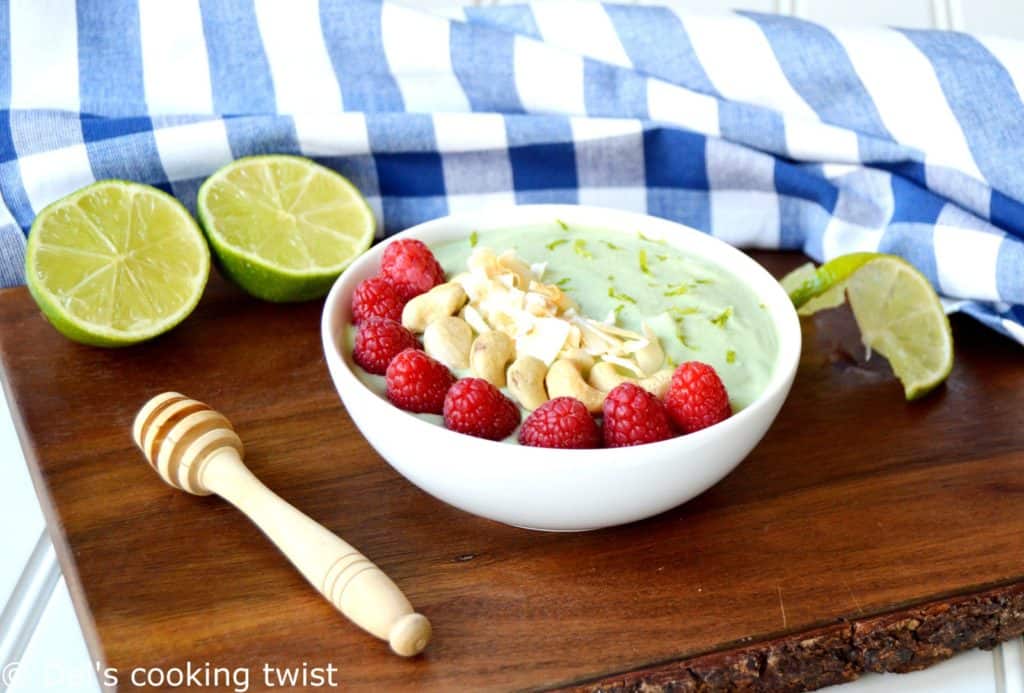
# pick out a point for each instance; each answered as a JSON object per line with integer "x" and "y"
{"x": 763, "y": 131}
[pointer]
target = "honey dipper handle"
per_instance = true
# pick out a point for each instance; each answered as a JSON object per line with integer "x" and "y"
{"x": 349, "y": 580}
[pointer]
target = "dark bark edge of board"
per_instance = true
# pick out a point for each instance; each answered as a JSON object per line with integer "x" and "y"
{"x": 899, "y": 642}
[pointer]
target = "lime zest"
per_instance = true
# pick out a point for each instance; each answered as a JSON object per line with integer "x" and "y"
{"x": 555, "y": 243}
{"x": 474, "y": 238}
{"x": 677, "y": 290}
{"x": 563, "y": 282}
{"x": 730, "y": 356}
{"x": 612, "y": 246}
{"x": 619, "y": 296}
{"x": 642, "y": 237}
{"x": 579, "y": 247}
{"x": 562, "y": 224}
{"x": 720, "y": 319}
{"x": 642, "y": 257}
{"x": 679, "y": 312}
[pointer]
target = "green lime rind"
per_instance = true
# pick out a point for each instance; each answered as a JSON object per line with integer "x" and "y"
{"x": 259, "y": 273}
{"x": 89, "y": 332}
{"x": 828, "y": 276}
{"x": 831, "y": 298}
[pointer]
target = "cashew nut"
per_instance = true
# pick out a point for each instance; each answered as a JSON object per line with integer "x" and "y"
{"x": 522, "y": 272}
{"x": 657, "y": 383}
{"x": 448, "y": 340}
{"x": 440, "y": 302}
{"x": 581, "y": 359}
{"x": 526, "y": 381}
{"x": 652, "y": 356}
{"x": 489, "y": 355}
{"x": 565, "y": 380}
{"x": 606, "y": 377}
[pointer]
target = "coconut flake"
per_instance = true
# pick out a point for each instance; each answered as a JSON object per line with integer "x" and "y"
{"x": 545, "y": 340}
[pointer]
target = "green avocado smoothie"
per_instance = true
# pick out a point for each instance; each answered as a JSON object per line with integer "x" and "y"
{"x": 699, "y": 311}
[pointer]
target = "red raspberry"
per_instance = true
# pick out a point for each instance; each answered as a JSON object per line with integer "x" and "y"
{"x": 378, "y": 341}
{"x": 697, "y": 398}
{"x": 633, "y": 416}
{"x": 418, "y": 383}
{"x": 411, "y": 267}
{"x": 376, "y": 297}
{"x": 560, "y": 423}
{"x": 477, "y": 408}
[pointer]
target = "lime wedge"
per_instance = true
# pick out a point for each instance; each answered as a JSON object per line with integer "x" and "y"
{"x": 833, "y": 297}
{"x": 116, "y": 263}
{"x": 897, "y": 310}
{"x": 901, "y": 318}
{"x": 283, "y": 227}
{"x": 829, "y": 277}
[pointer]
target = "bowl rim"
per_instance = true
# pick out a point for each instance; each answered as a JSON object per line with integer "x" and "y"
{"x": 784, "y": 318}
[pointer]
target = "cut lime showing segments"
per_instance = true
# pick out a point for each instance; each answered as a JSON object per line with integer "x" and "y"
{"x": 901, "y": 318}
{"x": 116, "y": 263}
{"x": 897, "y": 310}
{"x": 284, "y": 227}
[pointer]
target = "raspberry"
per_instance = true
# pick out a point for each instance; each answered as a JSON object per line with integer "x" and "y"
{"x": 375, "y": 297}
{"x": 418, "y": 383}
{"x": 411, "y": 267}
{"x": 560, "y": 423}
{"x": 378, "y": 341}
{"x": 633, "y": 416}
{"x": 697, "y": 398}
{"x": 477, "y": 408}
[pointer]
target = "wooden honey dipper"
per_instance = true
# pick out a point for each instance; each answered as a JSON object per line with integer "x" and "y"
{"x": 195, "y": 449}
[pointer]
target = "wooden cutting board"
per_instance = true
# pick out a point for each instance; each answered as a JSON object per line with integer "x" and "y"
{"x": 864, "y": 533}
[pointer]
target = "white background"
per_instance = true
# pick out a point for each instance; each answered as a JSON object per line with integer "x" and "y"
{"x": 38, "y": 627}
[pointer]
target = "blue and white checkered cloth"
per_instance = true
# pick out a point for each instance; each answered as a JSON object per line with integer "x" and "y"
{"x": 764, "y": 131}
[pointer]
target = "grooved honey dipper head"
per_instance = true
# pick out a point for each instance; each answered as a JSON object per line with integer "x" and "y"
{"x": 409, "y": 635}
{"x": 177, "y": 435}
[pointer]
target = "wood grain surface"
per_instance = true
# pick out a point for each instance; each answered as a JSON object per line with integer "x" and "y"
{"x": 858, "y": 529}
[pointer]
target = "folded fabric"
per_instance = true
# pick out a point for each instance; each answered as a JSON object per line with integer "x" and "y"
{"x": 764, "y": 131}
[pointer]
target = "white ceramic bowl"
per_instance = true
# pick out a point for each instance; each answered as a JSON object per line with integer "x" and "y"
{"x": 561, "y": 490}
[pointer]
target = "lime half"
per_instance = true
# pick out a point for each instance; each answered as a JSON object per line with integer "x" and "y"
{"x": 116, "y": 263}
{"x": 897, "y": 310}
{"x": 284, "y": 227}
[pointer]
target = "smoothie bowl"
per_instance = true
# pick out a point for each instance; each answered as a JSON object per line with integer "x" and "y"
{"x": 554, "y": 301}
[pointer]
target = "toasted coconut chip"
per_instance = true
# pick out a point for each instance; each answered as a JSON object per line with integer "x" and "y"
{"x": 624, "y": 363}
{"x": 614, "y": 330}
{"x": 635, "y": 345}
{"x": 545, "y": 340}
{"x": 475, "y": 320}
